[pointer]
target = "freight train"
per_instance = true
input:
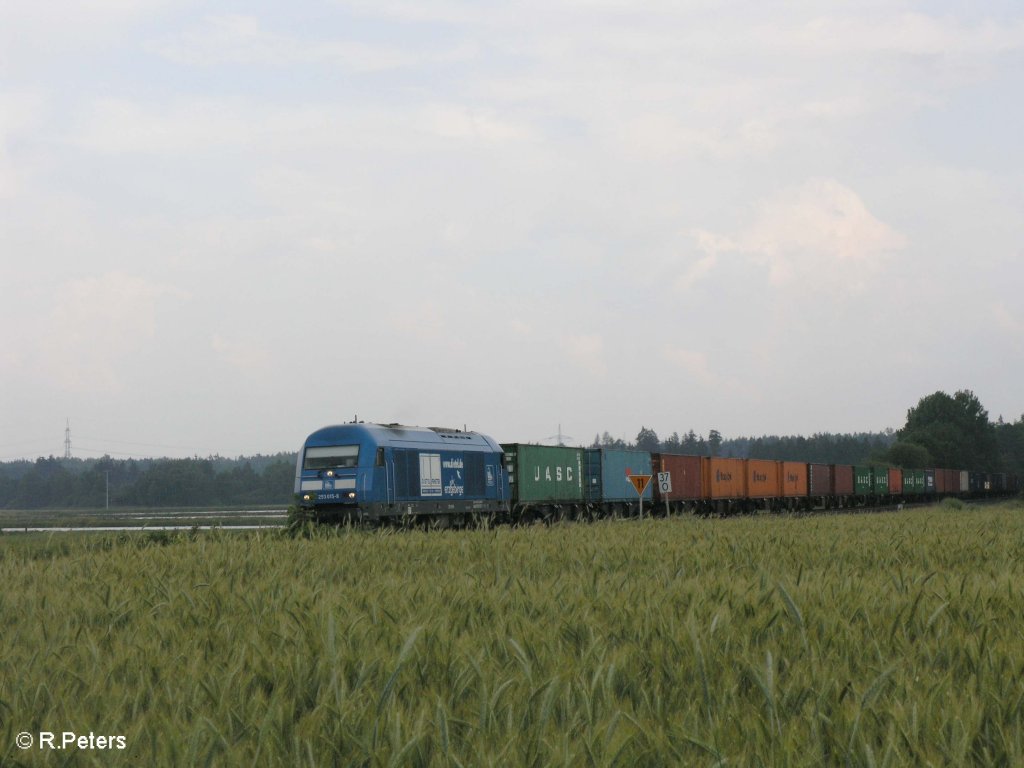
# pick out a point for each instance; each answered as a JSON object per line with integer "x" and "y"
{"x": 391, "y": 472}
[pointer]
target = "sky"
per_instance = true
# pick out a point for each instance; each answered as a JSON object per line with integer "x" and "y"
{"x": 224, "y": 225}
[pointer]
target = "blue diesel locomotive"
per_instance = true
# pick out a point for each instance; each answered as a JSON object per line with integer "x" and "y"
{"x": 377, "y": 472}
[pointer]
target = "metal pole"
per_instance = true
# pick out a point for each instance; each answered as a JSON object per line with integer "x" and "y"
{"x": 108, "y": 489}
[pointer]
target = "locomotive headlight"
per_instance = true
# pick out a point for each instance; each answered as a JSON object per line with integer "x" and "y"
{"x": 351, "y": 494}
{"x": 306, "y": 497}
{"x": 330, "y": 473}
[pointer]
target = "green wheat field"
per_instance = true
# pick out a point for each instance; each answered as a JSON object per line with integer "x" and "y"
{"x": 888, "y": 639}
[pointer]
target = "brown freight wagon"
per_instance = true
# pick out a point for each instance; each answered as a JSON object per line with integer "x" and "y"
{"x": 940, "y": 481}
{"x": 722, "y": 478}
{"x": 953, "y": 481}
{"x": 763, "y": 480}
{"x": 820, "y": 482}
{"x": 794, "y": 479}
{"x": 895, "y": 481}
{"x": 685, "y": 474}
{"x": 843, "y": 476}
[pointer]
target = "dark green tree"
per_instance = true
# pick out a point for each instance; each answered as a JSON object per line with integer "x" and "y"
{"x": 714, "y": 441}
{"x": 647, "y": 440}
{"x": 1011, "y": 445}
{"x": 955, "y": 431}
{"x": 909, "y": 455}
{"x": 672, "y": 444}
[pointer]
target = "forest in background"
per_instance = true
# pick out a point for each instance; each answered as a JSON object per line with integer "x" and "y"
{"x": 942, "y": 430}
{"x": 57, "y": 483}
{"x": 947, "y": 431}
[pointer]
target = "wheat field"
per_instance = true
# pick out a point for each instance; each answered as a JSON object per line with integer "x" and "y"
{"x": 886, "y": 639}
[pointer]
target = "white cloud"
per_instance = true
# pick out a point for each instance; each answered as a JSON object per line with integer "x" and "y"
{"x": 117, "y": 126}
{"x": 818, "y": 233}
{"x": 1009, "y": 322}
{"x": 583, "y": 171}
{"x": 243, "y": 354}
{"x": 586, "y": 351}
{"x": 237, "y": 39}
{"x": 20, "y": 115}
{"x": 96, "y": 327}
{"x": 241, "y": 39}
{"x": 914, "y": 34}
{"x": 698, "y": 369}
{"x": 692, "y": 362}
{"x": 454, "y": 121}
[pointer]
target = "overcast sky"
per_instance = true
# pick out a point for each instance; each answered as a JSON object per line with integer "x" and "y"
{"x": 226, "y": 224}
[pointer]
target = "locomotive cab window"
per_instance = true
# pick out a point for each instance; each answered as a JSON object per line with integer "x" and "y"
{"x": 331, "y": 457}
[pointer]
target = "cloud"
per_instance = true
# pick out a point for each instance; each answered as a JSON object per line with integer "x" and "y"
{"x": 819, "y": 231}
{"x": 697, "y": 367}
{"x": 455, "y": 121}
{"x": 245, "y": 355}
{"x": 692, "y": 362}
{"x": 97, "y": 325}
{"x": 586, "y": 351}
{"x": 914, "y": 34}
{"x": 20, "y": 115}
{"x": 241, "y": 39}
{"x": 1007, "y": 321}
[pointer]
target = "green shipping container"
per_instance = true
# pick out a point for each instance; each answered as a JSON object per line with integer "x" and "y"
{"x": 544, "y": 473}
{"x": 881, "y": 480}
{"x": 913, "y": 481}
{"x": 863, "y": 480}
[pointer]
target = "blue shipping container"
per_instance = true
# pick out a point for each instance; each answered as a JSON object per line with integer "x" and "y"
{"x": 607, "y": 473}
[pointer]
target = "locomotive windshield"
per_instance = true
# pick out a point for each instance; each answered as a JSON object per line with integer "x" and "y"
{"x": 331, "y": 457}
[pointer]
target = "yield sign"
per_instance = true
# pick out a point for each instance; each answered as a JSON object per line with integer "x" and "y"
{"x": 640, "y": 482}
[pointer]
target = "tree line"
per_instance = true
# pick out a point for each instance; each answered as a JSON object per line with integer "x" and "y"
{"x": 52, "y": 483}
{"x": 942, "y": 430}
{"x": 947, "y": 431}
{"x": 824, "y": 448}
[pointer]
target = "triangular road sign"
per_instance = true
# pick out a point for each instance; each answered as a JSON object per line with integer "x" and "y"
{"x": 640, "y": 482}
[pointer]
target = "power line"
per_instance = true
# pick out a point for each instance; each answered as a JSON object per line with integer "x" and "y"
{"x": 144, "y": 445}
{"x": 114, "y": 453}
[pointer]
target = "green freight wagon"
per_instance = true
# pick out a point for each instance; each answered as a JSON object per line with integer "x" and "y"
{"x": 913, "y": 482}
{"x": 880, "y": 481}
{"x": 544, "y": 474}
{"x": 863, "y": 481}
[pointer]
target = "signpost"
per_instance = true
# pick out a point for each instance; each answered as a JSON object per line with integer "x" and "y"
{"x": 640, "y": 482}
{"x": 665, "y": 486}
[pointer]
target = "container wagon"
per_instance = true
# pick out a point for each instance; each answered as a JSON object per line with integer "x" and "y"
{"x": 544, "y": 481}
{"x": 820, "y": 485}
{"x": 606, "y": 473}
{"x": 880, "y": 484}
{"x": 843, "y": 475}
{"x": 685, "y": 478}
{"x": 895, "y": 482}
{"x": 764, "y": 486}
{"x": 794, "y": 476}
{"x": 723, "y": 483}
